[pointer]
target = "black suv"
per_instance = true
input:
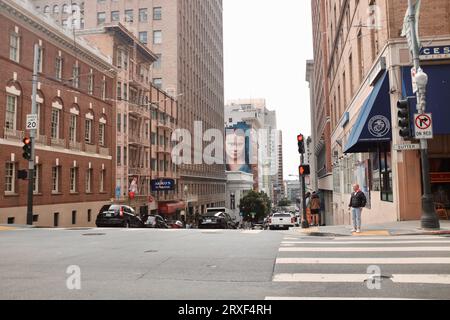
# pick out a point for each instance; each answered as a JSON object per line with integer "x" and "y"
{"x": 114, "y": 215}
{"x": 216, "y": 220}
{"x": 156, "y": 222}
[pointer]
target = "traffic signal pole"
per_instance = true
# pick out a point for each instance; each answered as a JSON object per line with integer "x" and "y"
{"x": 429, "y": 219}
{"x": 31, "y": 168}
{"x": 305, "y": 223}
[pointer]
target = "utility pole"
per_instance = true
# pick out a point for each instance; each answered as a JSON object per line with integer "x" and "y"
{"x": 305, "y": 223}
{"x": 430, "y": 219}
{"x": 31, "y": 168}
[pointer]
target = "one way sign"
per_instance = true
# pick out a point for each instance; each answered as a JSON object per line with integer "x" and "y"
{"x": 424, "y": 126}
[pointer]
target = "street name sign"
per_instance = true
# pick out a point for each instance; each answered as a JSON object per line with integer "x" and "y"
{"x": 423, "y": 124}
{"x": 406, "y": 147}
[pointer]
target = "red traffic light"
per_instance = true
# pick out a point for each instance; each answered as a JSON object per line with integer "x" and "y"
{"x": 300, "y": 138}
{"x": 304, "y": 170}
{"x": 27, "y": 141}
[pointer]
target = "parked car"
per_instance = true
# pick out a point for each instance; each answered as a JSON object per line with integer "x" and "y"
{"x": 281, "y": 221}
{"x": 218, "y": 220}
{"x": 114, "y": 215}
{"x": 156, "y": 222}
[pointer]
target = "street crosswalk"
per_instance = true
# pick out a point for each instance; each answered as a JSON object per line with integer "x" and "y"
{"x": 324, "y": 264}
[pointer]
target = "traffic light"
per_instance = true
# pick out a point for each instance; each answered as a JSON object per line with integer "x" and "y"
{"x": 301, "y": 143}
{"x": 304, "y": 170}
{"x": 404, "y": 118}
{"x": 27, "y": 149}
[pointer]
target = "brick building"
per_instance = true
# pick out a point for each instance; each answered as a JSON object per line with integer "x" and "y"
{"x": 367, "y": 69}
{"x": 146, "y": 117}
{"x": 187, "y": 37}
{"x": 76, "y": 134}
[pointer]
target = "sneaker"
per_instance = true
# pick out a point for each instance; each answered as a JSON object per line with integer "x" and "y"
{"x": 353, "y": 230}
{"x": 358, "y": 231}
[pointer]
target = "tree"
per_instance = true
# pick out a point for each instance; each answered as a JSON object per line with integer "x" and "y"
{"x": 257, "y": 203}
{"x": 284, "y": 202}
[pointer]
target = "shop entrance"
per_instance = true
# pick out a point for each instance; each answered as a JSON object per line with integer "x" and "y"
{"x": 439, "y": 149}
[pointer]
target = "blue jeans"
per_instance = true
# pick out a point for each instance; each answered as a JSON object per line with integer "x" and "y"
{"x": 356, "y": 214}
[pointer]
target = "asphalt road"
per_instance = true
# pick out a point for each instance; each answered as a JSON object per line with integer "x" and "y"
{"x": 138, "y": 264}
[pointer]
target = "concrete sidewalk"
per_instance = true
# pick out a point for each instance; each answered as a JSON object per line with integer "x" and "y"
{"x": 386, "y": 229}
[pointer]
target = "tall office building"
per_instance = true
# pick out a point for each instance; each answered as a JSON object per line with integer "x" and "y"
{"x": 187, "y": 37}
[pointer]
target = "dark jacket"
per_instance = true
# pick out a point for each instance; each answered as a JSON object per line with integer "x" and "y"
{"x": 358, "y": 200}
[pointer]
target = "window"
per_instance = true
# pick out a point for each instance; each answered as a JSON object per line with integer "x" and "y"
{"x": 36, "y": 179}
{"x": 73, "y": 128}
{"x": 88, "y": 181}
{"x": 143, "y": 16}
{"x": 58, "y": 68}
{"x": 74, "y": 217}
{"x": 10, "y": 177}
{"x": 14, "y": 47}
{"x": 143, "y": 37}
{"x": 91, "y": 83}
{"x": 55, "y": 123}
{"x": 40, "y": 59}
{"x": 88, "y": 131}
{"x": 101, "y": 135}
{"x": 56, "y": 219}
{"x": 101, "y": 18}
{"x": 119, "y": 122}
{"x": 11, "y": 110}
{"x": 154, "y": 138}
{"x": 65, "y": 8}
{"x": 119, "y": 90}
{"x": 64, "y": 23}
{"x": 119, "y": 156}
{"x": 125, "y": 156}
{"x": 125, "y": 92}
{"x": 157, "y": 37}
{"x": 55, "y": 179}
{"x": 56, "y": 9}
{"x": 73, "y": 180}
{"x": 153, "y": 164}
{"x": 76, "y": 76}
{"x": 38, "y": 112}
{"x": 125, "y": 124}
{"x": 157, "y": 82}
{"x": 102, "y": 181}
{"x": 115, "y": 16}
{"x": 47, "y": 9}
{"x": 103, "y": 89}
{"x": 386, "y": 177}
{"x": 157, "y": 13}
{"x": 157, "y": 63}
{"x": 128, "y": 15}
{"x": 11, "y": 220}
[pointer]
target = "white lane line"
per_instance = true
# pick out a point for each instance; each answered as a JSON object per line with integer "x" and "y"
{"x": 251, "y": 231}
{"x": 312, "y": 277}
{"x": 368, "y": 249}
{"x": 440, "y": 279}
{"x": 365, "y": 242}
{"x": 344, "y": 239}
{"x": 370, "y": 261}
{"x": 335, "y": 299}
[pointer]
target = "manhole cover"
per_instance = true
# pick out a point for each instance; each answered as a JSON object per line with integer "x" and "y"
{"x": 94, "y": 234}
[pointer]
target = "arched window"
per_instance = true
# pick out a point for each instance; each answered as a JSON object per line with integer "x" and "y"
{"x": 47, "y": 9}
{"x": 55, "y": 8}
{"x": 65, "y": 8}
{"x": 13, "y": 94}
{"x": 73, "y": 124}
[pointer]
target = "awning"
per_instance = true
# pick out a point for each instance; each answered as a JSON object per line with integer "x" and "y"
{"x": 438, "y": 95}
{"x": 171, "y": 207}
{"x": 373, "y": 126}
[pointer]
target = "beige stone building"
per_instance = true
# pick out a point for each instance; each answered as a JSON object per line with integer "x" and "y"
{"x": 187, "y": 38}
{"x": 368, "y": 69}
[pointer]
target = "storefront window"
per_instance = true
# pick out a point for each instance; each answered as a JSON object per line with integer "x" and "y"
{"x": 375, "y": 178}
{"x": 386, "y": 177}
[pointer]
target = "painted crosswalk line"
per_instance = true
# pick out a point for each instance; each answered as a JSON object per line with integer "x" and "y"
{"x": 363, "y": 261}
{"x": 366, "y": 249}
{"x": 365, "y": 242}
{"x": 443, "y": 279}
{"x": 335, "y": 299}
{"x": 251, "y": 231}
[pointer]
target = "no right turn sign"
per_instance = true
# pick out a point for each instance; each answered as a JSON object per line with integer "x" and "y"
{"x": 423, "y": 124}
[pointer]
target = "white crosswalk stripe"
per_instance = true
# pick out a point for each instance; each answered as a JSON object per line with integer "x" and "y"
{"x": 300, "y": 255}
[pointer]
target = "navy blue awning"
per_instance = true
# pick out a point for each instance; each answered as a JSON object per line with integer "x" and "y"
{"x": 373, "y": 126}
{"x": 438, "y": 95}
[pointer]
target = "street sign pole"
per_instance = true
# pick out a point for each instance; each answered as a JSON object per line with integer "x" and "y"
{"x": 429, "y": 219}
{"x": 305, "y": 223}
{"x": 33, "y": 132}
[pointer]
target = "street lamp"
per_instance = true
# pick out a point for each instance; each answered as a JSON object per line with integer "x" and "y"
{"x": 430, "y": 220}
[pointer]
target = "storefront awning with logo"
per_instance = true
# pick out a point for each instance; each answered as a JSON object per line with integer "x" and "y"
{"x": 438, "y": 95}
{"x": 373, "y": 125}
{"x": 170, "y": 207}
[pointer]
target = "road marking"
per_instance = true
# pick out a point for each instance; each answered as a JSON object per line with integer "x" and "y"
{"x": 251, "y": 231}
{"x": 367, "y": 249}
{"x": 335, "y": 298}
{"x": 365, "y": 242}
{"x": 443, "y": 279}
{"x": 370, "y": 261}
{"x": 418, "y": 237}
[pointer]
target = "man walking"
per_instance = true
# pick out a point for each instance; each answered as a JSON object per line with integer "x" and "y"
{"x": 357, "y": 202}
{"x": 315, "y": 209}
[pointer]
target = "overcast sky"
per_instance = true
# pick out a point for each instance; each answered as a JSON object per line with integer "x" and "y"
{"x": 266, "y": 45}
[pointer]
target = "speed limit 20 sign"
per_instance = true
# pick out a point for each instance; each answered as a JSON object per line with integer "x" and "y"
{"x": 32, "y": 122}
{"x": 423, "y": 124}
